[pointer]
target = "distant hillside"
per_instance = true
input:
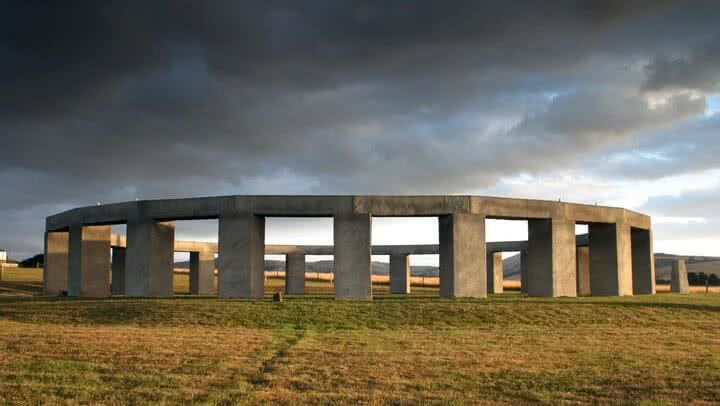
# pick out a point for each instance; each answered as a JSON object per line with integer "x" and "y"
{"x": 663, "y": 263}
{"x": 696, "y": 264}
{"x": 326, "y": 266}
{"x": 32, "y": 262}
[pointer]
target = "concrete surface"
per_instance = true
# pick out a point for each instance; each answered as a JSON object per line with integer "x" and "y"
{"x": 610, "y": 260}
{"x": 149, "y": 259}
{"x": 352, "y": 261}
{"x": 494, "y": 265}
{"x": 55, "y": 270}
{"x": 551, "y": 267}
{"x": 679, "y": 278}
{"x": 119, "y": 240}
{"x": 202, "y": 273}
{"x": 117, "y": 286}
{"x": 241, "y": 242}
{"x": 89, "y": 261}
{"x": 462, "y": 255}
{"x": 277, "y": 205}
{"x": 523, "y": 272}
{"x": 643, "y": 262}
{"x": 400, "y": 274}
{"x": 551, "y": 258}
{"x": 583, "y": 271}
{"x": 295, "y": 273}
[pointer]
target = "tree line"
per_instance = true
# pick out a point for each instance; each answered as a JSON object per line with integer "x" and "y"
{"x": 702, "y": 279}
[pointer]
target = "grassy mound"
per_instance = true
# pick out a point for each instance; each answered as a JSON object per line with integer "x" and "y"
{"x": 508, "y": 348}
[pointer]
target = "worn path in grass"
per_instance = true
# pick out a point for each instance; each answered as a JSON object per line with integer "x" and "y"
{"x": 507, "y": 348}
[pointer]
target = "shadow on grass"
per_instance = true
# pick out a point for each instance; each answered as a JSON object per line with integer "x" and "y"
{"x": 28, "y": 288}
{"x": 321, "y": 311}
{"x": 661, "y": 305}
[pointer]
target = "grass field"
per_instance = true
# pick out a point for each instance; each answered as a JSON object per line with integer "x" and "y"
{"x": 508, "y": 348}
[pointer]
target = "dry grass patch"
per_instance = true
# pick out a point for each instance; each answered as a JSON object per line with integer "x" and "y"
{"x": 403, "y": 350}
{"x": 500, "y": 365}
{"x": 127, "y": 364}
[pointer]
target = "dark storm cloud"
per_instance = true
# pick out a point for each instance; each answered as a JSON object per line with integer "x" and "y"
{"x": 107, "y": 101}
{"x": 59, "y": 54}
{"x": 690, "y": 146}
{"x": 698, "y": 70}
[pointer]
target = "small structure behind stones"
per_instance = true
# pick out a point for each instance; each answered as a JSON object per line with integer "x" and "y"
{"x": 679, "y": 278}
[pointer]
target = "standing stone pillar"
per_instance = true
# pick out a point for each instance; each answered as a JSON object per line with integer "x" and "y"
{"x": 462, "y": 255}
{"x": 643, "y": 262}
{"x": 583, "y": 271}
{"x": 494, "y": 264}
{"x": 202, "y": 273}
{"x": 352, "y": 256}
{"x": 241, "y": 246}
{"x": 117, "y": 286}
{"x": 523, "y": 272}
{"x": 55, "y": 269}
{"x": 89, "y": 261}
{"x": 400, "y": 273}
{"x": 295, "y": 273}
{"x": 150, "y": 258}
{"x": 610, "y": 259}
{"x": 551, "y": 257}
{"x": 679, "y": 278}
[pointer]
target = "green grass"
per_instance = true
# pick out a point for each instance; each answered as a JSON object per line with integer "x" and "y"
{"x": 421, "y": 349}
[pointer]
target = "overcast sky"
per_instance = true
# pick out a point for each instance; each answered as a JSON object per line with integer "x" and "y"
{"x": 613, "y": 103}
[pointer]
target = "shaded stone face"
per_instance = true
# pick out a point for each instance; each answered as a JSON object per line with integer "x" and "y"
{"x": 89, "y": 261}
{"x": 202, "y": 273}
{"x": 400, "y": 273}
{"x": 494, "y": 264}
{"x": 117, "y": 286}
{"x": 55, "y": 270}
{"x": 583, "y": 271}
{"x": 352, "y": 259}
{"x": 295, "y": 273}
{"x": 679, "y": 278}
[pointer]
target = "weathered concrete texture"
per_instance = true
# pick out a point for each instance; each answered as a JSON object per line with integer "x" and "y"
{"x": 551, "y": 257}
{"x": 679, "y": 278}
{"x": 215, "y": 207}
{"x": 149, "y": 259}
{"x": 583, "y": 270}
{"x": 352, "y": 260}
{"x": 494, "y": 264}
{"x": 202, "y": 273}
{"x": 241, "y": 242}
{"x": 119, "y": 240}
{"x": 523, "y": 272}
{"x": 89, "y": 261}
{"x": 610, "y": 260}
{"x": 400, "y": 273}
{"x": 55, "y": 271}
{"x": 117, "y": 286}
{"x": 643, "y": 262}
{"x": 462, "y": 255}
{"x": 295, "y": 274}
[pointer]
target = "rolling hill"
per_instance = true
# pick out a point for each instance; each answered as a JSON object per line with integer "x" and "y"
{"x": 663, "y": 264}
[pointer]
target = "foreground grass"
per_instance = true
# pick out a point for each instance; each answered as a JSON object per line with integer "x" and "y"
{"x": 507, "y": 348}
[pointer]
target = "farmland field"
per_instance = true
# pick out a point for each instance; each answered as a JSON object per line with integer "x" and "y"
{"x": 508, "y": 348}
